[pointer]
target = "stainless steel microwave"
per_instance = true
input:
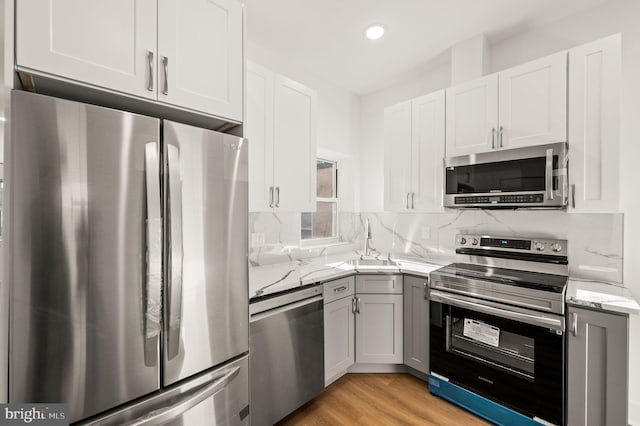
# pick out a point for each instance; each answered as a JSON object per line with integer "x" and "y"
{"x": 534, "y": 176}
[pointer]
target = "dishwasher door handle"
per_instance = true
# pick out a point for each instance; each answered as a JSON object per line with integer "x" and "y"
{"x": 285, "y": 308}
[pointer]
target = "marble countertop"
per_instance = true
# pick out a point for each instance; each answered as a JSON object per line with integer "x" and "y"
{"x": 270, "y": 279}
{"x": 601, "y": 296}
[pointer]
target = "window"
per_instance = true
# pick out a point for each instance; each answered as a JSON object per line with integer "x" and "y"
{"x": 323, "y": 223}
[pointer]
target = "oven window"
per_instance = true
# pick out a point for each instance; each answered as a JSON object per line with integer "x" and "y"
{"x": 503, "y": 176}
{"x": 487, "y": 343}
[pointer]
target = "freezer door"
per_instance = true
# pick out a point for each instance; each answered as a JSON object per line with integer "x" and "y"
{"x": 206, "y": 294}
{"x": 85, "y": 299}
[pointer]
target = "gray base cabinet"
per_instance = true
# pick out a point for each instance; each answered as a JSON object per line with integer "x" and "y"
{"x": 379, "y": 319}
{"x": 416, "y": 323}
{"x": 339, "y": 328}
{"x": 597, "y": 386}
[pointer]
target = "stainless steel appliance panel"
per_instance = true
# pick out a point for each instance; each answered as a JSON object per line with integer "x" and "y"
{"x": 206, "y": 294}
{"x": 84, "y": 322}
{"x": 219, "y": 397}
{"x": 287, "y": 359}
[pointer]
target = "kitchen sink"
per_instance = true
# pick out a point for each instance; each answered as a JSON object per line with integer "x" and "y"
{"x": 371, "y": 262}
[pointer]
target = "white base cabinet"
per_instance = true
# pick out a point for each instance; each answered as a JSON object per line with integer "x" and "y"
{"x": 339, "y": 327}
{"x": 597, "y": 377}
{"x": 416, "y": 323}
{"x": 379, "y": 319}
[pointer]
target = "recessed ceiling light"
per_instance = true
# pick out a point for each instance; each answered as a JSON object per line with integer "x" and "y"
{"x": 374, "y": 32}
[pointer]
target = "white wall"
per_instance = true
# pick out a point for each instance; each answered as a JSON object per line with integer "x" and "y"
{"x": 338, "y": 121}
{"x": 435, "y": 75}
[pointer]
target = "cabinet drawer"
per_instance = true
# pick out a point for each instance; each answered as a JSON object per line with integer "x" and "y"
{"x": 337, "y": 289}
{"x": 385, "y": 284}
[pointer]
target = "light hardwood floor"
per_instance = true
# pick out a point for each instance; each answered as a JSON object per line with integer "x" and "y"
{"x": 380, "y": 399}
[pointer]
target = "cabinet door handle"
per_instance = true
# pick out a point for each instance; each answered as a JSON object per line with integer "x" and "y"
{"x": 271, "y": 196}
{"x": 500, "y": 137}
{"x": 343, "y": 288}
{"x": 426, "y": 290}
{"x": 413, "y": 200}
{"x": 408, "y": 193}
{"x": 165, "y": 64}
{"x": 493, "y": 138}
{"x": 354, "y": 308}
{"x": 150, "y": 70}
{"x": 277, "y": 196}
{"x": 357, "y": 305}
{"x": 574, "y": 323}
{"x": 573, "y": 195}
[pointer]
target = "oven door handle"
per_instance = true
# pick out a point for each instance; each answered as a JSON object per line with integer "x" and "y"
{"x": 539, "y": 320}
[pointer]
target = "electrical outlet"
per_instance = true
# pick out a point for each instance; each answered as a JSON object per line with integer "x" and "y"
{"x": 426, "y": 232}
{"x": 257, "y": 239}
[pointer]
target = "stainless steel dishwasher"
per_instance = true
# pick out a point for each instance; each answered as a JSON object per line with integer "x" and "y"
{"x": 286, "y": 352}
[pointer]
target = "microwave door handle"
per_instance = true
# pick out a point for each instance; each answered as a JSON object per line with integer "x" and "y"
{"x": 175, "y": 252}
{"x": 548, "y": 176}
{"x": 152, "y": 309}
{"x": 536, "y": 320}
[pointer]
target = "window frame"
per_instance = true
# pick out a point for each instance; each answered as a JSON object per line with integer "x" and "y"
{"x": 305, "y": 242}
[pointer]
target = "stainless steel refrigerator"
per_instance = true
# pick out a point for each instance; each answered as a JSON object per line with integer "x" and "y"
{"x": 128, "y": 265}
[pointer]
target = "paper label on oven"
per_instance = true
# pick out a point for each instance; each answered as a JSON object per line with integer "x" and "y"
{"x": 481, "y": 332}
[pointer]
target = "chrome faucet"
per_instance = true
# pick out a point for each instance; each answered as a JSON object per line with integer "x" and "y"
{"x": 368, "y": 242}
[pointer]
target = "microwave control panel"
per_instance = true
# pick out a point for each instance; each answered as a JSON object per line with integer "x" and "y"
{"x": 500, "y": 199}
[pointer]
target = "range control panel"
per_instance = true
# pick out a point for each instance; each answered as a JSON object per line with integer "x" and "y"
{"x": 513, "y": 244}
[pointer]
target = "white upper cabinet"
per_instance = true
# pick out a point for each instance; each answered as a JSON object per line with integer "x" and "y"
{"x": 472, "y": 116}
{"x": 186, "y": 53}
{"x": 200, "y": 55}
{"x": 521, "y": 106}
{"x": 281, "y": 128}
{"x": 533, "y": 103}
{"x": 111, "y": 44}
{"x": 594, "y": 125}
{"x": 414, "y": 148}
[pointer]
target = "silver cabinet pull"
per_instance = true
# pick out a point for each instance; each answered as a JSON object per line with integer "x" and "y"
{"x": 408, "y": 193}
{"x": 339, "y": 289}
{"x": 426, "y": 290}
{"x": 172, "y": 412}
{"x": 500, "y": 137}
{"x": 150, "y": 70}
{"x": 573, "y": 195}
{"x": 574, "y": 323}
{"x": 413, "y": 200}
{"x": 271, "y": 204}
{"x": 493, "y": 138}
{"x": 277, "y": 196}
{"x": 357, "y": 305}
{"x": 354, "y": 306}
{"x": 548, "y": 175}
{"x": 152, "y": 311}
{"x": 174, "y": 267}
{"x": 165, "y": 65}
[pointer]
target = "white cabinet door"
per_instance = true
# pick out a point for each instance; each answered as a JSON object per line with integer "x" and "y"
{"x": 339, "y": 328}
{"x": 472, "y": 116}
{"x": 416, "y": 323}
{"x": 295, "y": 150}
{"x": 200, "y": 55}
{"x": 379, "y": 329}
{"x": 533, "y": 103}
{"x": 427, "y": 151}
{"x": 397, "y": 157}
{"x": 259, "y": 132}
{"x": 594, "y": 125}
{"x": 111, "y": 44}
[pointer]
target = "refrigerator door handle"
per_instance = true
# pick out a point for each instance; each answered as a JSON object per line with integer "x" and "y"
{"x": 153, "y": 303}
{"x": 175, "y": 251}
{"x": 164, "y": 415}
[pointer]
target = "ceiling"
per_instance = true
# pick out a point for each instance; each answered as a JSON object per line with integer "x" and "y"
{"x": 327, "y": 36}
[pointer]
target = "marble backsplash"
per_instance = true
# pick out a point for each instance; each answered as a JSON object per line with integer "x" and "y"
{"x": 594, "y": 240}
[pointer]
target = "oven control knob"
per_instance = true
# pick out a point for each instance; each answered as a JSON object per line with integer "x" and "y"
{"x": 462, "y": 240}
{"x": 474, "y": 241}
{"x": 539, "y": 245}
{"x": 556, "y": 247}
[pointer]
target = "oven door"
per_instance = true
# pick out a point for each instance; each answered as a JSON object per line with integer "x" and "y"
{"x": 510, "y": 355}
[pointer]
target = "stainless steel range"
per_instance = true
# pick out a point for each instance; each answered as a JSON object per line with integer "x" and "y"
{"x": 497, "y": 328}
